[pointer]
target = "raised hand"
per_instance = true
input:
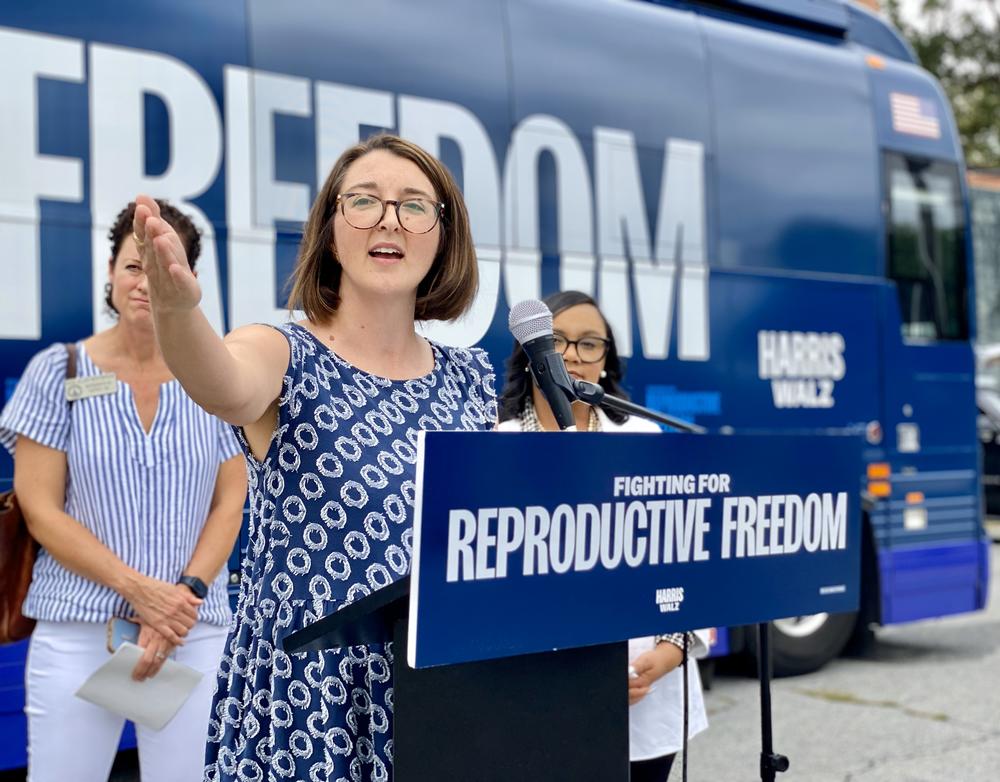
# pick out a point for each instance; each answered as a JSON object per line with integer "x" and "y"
{"x": 173, "y": 287}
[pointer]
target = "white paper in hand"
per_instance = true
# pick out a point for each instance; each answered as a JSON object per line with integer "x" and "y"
{"x": 151, "y": 703}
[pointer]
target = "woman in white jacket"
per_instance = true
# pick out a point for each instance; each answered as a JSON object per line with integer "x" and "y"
{"x": 655, "y": 679}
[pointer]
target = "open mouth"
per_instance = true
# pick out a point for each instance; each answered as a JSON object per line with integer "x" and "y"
{"x": 385, "y": 252}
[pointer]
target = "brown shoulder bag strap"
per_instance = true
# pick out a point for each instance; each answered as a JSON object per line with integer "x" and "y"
{"x": 70, "y": 360}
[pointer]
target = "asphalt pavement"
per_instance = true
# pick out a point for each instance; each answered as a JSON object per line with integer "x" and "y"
{"x": 922, "y": 706}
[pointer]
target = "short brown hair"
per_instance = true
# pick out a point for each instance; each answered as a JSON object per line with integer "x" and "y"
{"x": 180, "y": 222}
{"x": 450, "y": 286}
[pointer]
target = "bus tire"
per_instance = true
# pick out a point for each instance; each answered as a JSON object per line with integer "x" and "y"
{"x": 805, "y": 644}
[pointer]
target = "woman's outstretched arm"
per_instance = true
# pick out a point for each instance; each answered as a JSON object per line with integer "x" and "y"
{"x": 236, "y": 379}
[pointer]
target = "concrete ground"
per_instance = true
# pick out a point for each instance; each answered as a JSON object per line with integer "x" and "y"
{"x": 922, "y": 706}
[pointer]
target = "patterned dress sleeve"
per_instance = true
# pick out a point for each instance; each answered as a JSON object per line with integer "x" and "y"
{"x": 483, "y": 388}
{"x": 38, "y": 409}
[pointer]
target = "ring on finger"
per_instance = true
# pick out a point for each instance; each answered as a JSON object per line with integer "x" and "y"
{"x": 138, "y": 242}
{"x": 161, "y": 656}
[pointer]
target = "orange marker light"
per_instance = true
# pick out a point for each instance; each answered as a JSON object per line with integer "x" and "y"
{"x": 880, "y": 488}
{"x": 878, "y": 470}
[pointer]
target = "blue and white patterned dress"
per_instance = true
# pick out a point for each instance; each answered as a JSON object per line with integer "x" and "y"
{"x": 331, "y": 516}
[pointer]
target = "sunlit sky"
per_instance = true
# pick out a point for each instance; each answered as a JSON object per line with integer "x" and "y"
{"x": 911, "y": 9}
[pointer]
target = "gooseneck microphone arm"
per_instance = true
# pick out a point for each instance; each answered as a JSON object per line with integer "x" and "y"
{"x": 549, "y": 372}
{"x": 593, "y": 394}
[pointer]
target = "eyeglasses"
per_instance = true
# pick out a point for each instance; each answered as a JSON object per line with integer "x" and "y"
{"x": 590, "y": 350}
{"x": 416, "y": 215}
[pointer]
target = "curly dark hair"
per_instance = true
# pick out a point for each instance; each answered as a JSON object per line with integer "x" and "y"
{"x": 517, "y": 383}
{"x": 122, "y": 227}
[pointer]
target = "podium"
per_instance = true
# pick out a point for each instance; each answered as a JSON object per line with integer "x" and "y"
{"x": 549, "y": 716}
{"x": 509, "y": 634}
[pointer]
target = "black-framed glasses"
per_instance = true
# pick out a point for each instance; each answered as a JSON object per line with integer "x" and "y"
{"x": 589, "y": 350}
{"x": 416, "y": 215}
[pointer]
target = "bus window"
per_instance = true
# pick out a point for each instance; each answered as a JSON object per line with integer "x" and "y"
{"x": 927, "y": 247}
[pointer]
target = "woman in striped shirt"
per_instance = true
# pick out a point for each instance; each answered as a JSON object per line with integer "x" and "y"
{"x": 135, "y": 495}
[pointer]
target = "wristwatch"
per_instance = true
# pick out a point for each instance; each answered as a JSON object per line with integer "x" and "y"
{"x": 195, "y": 584}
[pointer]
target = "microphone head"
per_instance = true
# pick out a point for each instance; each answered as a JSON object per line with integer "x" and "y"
{"x": 529, "y": 319}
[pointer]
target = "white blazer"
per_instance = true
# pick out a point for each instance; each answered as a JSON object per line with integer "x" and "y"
{"x": 656, "y": 723}
{"x": 631, "y": 424}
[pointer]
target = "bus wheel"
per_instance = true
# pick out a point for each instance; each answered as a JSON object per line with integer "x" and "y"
{"x": 802, "y": 644}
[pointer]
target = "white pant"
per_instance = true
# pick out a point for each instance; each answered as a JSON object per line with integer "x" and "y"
{"x": 71, "y": 739}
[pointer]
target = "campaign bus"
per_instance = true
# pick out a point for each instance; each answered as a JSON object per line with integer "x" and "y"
{"x": 767, "y": 198}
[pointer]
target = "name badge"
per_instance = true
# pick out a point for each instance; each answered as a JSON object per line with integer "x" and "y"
{"x": 93, "y": 385}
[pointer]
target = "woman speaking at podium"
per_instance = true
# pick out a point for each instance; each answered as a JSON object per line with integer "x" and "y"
{"x": 327, "y": 410}
{"x": 655, "y": 683}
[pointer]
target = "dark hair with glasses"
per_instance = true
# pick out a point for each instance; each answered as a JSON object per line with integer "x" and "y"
{"x": 450, "y": 286}
{"x": 517, "y": 386}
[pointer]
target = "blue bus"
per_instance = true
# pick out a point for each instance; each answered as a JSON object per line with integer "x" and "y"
{"x": 767, "y": 197}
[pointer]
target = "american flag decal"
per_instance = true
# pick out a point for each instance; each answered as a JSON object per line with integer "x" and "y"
{"x": 913, "y": 115}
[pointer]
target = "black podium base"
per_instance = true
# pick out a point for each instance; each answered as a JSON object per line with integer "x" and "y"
{"x": 552, "y": 717}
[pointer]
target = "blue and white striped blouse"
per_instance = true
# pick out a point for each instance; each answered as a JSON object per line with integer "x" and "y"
{"x": 146, "y": 497}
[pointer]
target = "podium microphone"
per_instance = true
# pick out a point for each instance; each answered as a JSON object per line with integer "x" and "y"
{"x": 530, "y": 322}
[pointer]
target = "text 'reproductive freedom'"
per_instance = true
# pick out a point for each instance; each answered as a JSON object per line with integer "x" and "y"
{"x": 646, "y": 524}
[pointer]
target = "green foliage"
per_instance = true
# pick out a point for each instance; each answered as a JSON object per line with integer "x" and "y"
{"x": 959, "y": 42}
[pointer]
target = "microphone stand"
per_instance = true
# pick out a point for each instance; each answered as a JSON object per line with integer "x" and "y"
{"x": 593, "y": 394}
{"x": 770, "y": 761}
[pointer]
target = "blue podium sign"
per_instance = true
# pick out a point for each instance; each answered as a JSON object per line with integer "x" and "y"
{"x": 534, "y": 542}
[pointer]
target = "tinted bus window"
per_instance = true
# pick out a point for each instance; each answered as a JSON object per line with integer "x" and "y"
{"x": 927, "y": 247}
